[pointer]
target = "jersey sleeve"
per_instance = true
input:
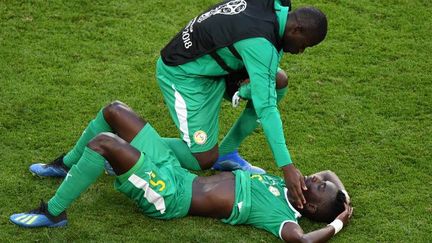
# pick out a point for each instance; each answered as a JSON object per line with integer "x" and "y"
{"x": 261, "y": 60}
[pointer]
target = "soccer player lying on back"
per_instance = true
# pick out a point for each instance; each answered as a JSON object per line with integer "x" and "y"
{"x": 151, "y": 175}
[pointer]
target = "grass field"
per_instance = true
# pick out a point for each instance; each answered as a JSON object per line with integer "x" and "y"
{"x": 359, "y": 104}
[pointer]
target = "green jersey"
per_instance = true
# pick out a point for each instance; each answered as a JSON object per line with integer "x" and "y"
{"x": 261, "y": 201}
{"x": 163, "y": 190}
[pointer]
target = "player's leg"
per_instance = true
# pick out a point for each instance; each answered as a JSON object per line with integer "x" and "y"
{"x": 62, "y": 164}
{"x": 105, "y": 146}
{"x": 194, "y": 105}
{"x": 115, "y": 117}
{"x": 197, "y": 117}
{"x": 247, "y": 122}
{"x": 157, "y": 182}
{"x": 165, "y": 77}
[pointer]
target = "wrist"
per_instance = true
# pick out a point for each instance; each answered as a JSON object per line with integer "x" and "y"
{"x": 337, "y": 224}
{"x": 287, "y": 168}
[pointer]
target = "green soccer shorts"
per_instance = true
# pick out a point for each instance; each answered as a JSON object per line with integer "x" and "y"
{"x": 242, "y": 204}
{"x": 194, "y": 104}
{"x": 157, "y": 182}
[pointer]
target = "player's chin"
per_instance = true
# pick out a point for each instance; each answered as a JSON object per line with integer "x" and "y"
{"x": 290, "y": 49}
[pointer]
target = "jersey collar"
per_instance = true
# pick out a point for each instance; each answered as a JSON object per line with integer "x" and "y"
{"x": 296, "y": 213}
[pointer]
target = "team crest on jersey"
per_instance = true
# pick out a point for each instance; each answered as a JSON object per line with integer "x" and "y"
{"x": 229, "y": 8}
{"x": 274, "y": 191}
{"x": 200, "y": 137}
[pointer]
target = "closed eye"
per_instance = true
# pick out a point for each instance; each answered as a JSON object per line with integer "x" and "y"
{"x": 322, "y": 186}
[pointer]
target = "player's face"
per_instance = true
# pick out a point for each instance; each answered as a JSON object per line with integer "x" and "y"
{"x": 295, "y": 44}
{"x": 319, "y": 191}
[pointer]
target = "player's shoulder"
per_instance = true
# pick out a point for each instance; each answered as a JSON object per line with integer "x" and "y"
{"x": 254, "y": 44}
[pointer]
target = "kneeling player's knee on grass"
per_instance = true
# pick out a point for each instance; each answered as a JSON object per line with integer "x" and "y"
{"x": 281, "y": 79}
{"x": 103, "y": 143}
{"x": 207, "y": 159}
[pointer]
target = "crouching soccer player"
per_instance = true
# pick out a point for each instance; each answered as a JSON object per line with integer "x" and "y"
{"x": 150, "y": 174}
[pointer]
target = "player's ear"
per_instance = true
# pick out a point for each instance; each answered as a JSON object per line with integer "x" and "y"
{"x": 298, "y": 30}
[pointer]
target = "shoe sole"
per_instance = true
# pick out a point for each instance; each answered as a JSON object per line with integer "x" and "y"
{"x": 36, "y": 175}
{"x": 57, "y": 225}
{"x": 43, "y": 177}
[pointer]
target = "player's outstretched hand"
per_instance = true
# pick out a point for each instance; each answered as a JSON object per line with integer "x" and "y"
{"x": 346, "y": 214}
{"x": 295, "y": 183}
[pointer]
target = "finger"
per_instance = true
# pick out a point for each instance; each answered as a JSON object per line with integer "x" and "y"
{"x": 301, "y": 186}
{"x": 298, "y": 200}
{"x": 300, "y": 194}
{"x": 347, "y": 207}
{"x": 302, "y": 182}
{"x": 349, "y": 212}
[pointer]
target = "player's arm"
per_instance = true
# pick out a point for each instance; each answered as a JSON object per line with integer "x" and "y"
{"x": 329, "y": 175}
{"x": 245, "y": 89}
{"x": 261, "y": 61}
{"x": 292, "y": 232}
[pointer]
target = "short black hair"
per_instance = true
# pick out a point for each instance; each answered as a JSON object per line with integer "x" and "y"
{"x": 313, "y": 21}
{"x": 329, "y": 212}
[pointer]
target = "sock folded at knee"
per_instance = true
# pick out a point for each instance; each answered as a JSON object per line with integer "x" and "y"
{"x": 183, "y": 153}
{"x": 89, "y": 167}
{"x": 95, "y": 127}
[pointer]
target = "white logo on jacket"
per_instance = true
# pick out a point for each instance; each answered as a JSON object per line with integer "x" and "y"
{"x": 229, "y": 8}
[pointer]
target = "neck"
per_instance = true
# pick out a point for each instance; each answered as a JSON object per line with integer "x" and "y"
{"x": 292, "y": 203}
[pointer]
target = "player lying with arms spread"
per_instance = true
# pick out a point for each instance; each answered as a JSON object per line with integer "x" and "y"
{"x": 151, "y": 175}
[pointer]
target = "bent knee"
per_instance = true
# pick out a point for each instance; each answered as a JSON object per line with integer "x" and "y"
{"x": 207, "y": 159}
{"x": 114, "y": 109}
{"x": 281, "y": 79}
{"x": 103, "y": 142}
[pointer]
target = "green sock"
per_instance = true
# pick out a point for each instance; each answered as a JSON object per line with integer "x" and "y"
{"x": 245, "y": 124}
{"x": 280, "y": 93}
{"x": 183, "y": 153}
{"x": 95, "y": 127}
{"x": 243, "y": 127}
{"x": 89, "y": 167}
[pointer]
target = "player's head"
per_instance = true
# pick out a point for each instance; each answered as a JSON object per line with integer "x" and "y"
{"x": 305, "y": 27}
{"x": 324, "y": 201}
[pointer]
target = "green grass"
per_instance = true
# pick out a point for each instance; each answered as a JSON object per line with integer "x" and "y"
{"x": 359, "y": 104}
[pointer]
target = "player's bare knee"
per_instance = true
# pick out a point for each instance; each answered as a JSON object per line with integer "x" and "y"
{"x": 206, "y": 164}
{"x": 114, "y": 109}
{"x": 103, "y": 143}
{"x": 207, "y": 159}
{"x": 281, "y": 79}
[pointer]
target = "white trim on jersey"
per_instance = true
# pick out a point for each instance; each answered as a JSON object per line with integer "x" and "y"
{"x": 152, "y": 197}
{"x": 181, "y": 111}
{"x": 296, "y": 213}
